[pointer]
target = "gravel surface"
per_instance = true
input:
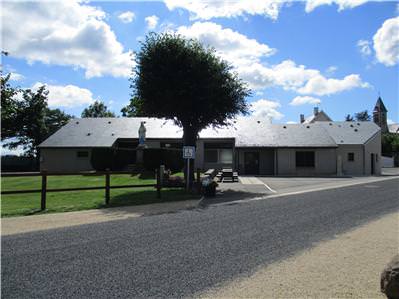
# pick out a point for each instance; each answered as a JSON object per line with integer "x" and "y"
{"x": 185, "y": 253}
{"x": 348, "y": 266}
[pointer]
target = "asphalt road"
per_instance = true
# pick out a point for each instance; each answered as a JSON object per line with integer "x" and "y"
{"x": 185, "y": 253}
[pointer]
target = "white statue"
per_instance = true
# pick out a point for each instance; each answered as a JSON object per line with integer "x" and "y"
{"x": 142, "y": 131}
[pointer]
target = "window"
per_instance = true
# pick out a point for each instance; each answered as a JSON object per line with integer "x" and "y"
{"x": 351, "y": 157}
{"x": 305, "y": 159}
{"x": 226, "y": 156}
{"x": 211, "y": 155}
{"x": 82, "y": 154}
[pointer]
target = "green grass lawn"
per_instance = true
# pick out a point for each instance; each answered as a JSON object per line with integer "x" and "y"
{"x": 27, "y": 204}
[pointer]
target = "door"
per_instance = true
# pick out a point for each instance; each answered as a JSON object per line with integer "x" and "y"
{"x": 372, "y": 164}
{"x": 251, "y": 162}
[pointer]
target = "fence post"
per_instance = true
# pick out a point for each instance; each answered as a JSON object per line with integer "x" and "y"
{"x": 199, "y": 180}
{"x": 158, "y": 175}
{"x": 44, "y": 189}
{"x": 107, "y": 185}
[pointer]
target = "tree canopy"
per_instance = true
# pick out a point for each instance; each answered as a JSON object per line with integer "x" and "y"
{"x": 28, "y": 121}
{"x": 179, "y": 79}
{"x": 97, "y": 109}
{"x": 363, "y": 116}
{"x": 130, "y": 109}
{"x": 9, "y": 108}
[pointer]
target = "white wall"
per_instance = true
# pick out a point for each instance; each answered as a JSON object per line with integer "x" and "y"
{"x": 64, "y": 160}
{"x": 373, "y": 146}
{"x": 355, "y": 167}
{"x": 325, "y": 162}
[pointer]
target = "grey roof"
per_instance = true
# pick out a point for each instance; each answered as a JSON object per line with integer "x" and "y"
{"x": 393, "y": 128}
{"x": 318, "y": 117}
{"x": 350, "y": 132}
{"x": 247, "y": 131}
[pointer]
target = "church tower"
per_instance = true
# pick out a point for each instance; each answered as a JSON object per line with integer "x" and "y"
{"x": 380, "y": 115}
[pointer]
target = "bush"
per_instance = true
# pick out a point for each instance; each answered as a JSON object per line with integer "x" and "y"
{"x": 171, "y": 158}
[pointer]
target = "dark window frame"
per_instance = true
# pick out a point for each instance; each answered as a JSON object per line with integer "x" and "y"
{"x": 305, "y": 159}
{"x": 351, "y": 157}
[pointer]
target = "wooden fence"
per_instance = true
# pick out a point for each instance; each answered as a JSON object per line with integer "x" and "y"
{"x": 107, "y": 186}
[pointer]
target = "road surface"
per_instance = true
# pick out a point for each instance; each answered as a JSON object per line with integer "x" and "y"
{"x": 184, "y": 253}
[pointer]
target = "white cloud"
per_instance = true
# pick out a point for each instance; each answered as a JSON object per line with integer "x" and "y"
{"x": 291, "y": 122}
{"x": 206, "y": 10}
{"x": 16, "y": 77}
{"x": 331, "y": 70}
{"x": 342, "y": 4}
{"x": 127, "y": 17}
{"x": 66, "y": 96}
{"x": 386, "y": 42}
{"x": 65, "y": 33}
{"x": 266, "y": 109}
{"x": 231, "y": 45}
{"x": 303, "y": 100}
{"x": 246, "y": 56}
{"x": 152, "y": 21}
{"x": 390, "y": 121}
{"x": 320, "y": 85}
{"x": 364, "y": 47}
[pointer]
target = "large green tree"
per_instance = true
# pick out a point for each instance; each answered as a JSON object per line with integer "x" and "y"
{"x": 9, "y": 108}
{"x": 33, "y": 121}
{"x": 97, "y": 109}
{"x": 180, "y": 79}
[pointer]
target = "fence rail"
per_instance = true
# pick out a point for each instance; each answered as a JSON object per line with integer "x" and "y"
{"x": 107, "y": 186}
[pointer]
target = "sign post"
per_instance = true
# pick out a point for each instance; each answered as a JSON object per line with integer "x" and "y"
{"x": 188, "y": 153}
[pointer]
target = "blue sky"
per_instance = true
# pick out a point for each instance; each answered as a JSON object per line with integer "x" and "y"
{"x": 293, "y": 55}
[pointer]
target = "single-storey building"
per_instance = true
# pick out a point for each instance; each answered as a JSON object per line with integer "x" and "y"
{"x": 250, "y": 146}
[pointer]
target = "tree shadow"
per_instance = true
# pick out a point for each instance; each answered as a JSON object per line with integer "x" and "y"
{"x": 145, "y": 197}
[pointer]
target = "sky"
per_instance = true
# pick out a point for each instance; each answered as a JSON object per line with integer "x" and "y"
{"x": 338, "y": 55}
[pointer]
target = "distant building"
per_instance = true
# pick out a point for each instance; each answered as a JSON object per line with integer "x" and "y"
{"x": 380, "y": 115}
{"x": 316, "y": 116}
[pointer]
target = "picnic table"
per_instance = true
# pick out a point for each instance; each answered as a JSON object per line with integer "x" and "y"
{"x": 227, "y": 175}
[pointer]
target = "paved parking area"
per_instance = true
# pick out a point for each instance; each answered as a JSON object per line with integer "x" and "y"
{"x": 250, "y": 186}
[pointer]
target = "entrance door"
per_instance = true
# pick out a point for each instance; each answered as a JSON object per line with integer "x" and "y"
{"x": 372, "y": 163}
{"x": 251, "y": 162}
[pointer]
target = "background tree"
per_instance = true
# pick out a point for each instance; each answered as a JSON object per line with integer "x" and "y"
{"x": 179, "y": 79}
{"x": 349, "y": 117}
{"x": 97, "y": 109}
{"x": 363, "y": 116}
{"x": 9, "y": 108}
{"x": 34, "y": 121}
{"x": 130, "y": 109}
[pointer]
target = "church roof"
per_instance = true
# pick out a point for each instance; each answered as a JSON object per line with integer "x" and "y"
{"x": 379, "y": 106}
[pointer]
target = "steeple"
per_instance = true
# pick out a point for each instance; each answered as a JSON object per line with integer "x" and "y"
{"x": 380, "y": 115}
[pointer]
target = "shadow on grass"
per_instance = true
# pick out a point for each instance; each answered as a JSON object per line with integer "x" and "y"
{"x": 149, "y": 197}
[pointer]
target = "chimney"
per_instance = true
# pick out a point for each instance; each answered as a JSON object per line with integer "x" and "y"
{"x": 315, "y": 111}
{"x": 302, "y": 118}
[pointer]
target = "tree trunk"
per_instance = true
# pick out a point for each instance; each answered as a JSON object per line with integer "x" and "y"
{"x": 189, "y": 139}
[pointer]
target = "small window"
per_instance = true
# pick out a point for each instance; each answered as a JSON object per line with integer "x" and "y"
{"x": 82, "y": 154}
{"x": 351, "y": 157}
{"x": 226, "y": 155}
{"x": 305, "y": 159}
{"x": 211, "y": 155}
